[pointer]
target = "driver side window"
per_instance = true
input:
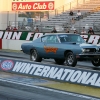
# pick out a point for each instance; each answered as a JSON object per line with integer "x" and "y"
{"x": 44, "y": 39}
{"x": 52, "y": 39}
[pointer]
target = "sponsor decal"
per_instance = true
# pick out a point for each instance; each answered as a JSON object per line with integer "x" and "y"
{"x": 7, "y": 65}
{"x": 50, "y": 49}
{"x": 43, "y": 5}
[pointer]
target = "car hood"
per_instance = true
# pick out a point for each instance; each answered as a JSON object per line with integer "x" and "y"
{"x": 83, "y": 45}
{"x": 87, "y": 45}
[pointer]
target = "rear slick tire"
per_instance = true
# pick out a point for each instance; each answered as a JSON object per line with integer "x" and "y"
{"x": 35, "y": 56}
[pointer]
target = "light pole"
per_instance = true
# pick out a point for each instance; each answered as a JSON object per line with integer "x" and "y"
{"x": 7, "y": 18}
{"x": 15, "y": 17}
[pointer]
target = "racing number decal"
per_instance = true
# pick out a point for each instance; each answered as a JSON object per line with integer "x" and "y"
{"x": 50, "y": 49}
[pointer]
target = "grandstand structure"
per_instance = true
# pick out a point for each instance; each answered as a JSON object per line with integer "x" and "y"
{"x": 90, "y": 10}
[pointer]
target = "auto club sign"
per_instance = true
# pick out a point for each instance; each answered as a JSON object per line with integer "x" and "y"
{"x": 43, "y": 5}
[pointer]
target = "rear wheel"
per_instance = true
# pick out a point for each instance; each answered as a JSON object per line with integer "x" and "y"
{"x": 70, "y": 59}
{"x": 35, "y": 56}
{"x": 96, "y": 62}
{"x": 59, "y": 61}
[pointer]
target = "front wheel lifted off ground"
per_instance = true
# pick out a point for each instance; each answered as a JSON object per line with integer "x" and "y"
{"x": 71, "y": 59}
{"x": 35, "y": 56}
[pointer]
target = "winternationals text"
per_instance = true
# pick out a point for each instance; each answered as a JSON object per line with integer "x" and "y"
{"x": 59, "y": 73}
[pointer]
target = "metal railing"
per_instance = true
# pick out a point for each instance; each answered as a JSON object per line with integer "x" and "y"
{"x": 67, "y": 7}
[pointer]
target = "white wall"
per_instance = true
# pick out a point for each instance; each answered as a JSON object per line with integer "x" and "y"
{"x": 3, "y": 20}
{"x": 13, "y": 44}
{"x": 16, "y": 44}
{"x": 6, "y": 17}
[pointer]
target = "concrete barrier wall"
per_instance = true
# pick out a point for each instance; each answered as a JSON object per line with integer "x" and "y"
{"x": 13, "y": 44}
{"x": 13, "y": 40}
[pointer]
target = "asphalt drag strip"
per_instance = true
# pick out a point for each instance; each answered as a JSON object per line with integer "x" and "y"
{"x": 15, "y": 81}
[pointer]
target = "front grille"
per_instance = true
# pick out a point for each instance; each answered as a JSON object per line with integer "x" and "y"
{"x": 92, "y": 49}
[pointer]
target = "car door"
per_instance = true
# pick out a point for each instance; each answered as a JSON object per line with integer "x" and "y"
{"x": 41, "y": 48}
{"x": 51, "y": 46}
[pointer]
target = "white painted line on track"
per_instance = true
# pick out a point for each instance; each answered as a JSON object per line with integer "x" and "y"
{"x": 52, "y": 90}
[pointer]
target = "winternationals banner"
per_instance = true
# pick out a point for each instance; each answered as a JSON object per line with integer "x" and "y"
{"x": 43, "y": 5}
{"x": 52, "y": 72}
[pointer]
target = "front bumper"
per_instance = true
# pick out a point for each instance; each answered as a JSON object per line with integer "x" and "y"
{"x": 88, "y": 55}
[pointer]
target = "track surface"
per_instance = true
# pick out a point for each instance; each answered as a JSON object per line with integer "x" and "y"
{"x": 9, "y": 93}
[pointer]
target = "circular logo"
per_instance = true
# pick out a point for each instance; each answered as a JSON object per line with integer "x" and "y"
{"x": 50, "y": 5}
{"x": 7, "y": 64}
{"x": 14, "y": 6}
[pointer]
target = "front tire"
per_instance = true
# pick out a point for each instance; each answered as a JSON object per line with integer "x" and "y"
{"x": 96, "y": 62}
{"x": 71, "y": 59}
{"x": 34, "y": 56}
{"x": 59, "y": 61}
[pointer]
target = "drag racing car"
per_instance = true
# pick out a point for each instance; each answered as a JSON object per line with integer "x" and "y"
{"x": 63, "y": 48}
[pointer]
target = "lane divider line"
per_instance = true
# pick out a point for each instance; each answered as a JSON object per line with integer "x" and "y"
{"x": 52, "y": 90}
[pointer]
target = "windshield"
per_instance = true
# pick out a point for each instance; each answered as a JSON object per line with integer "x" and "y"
{"x": 71, "y": 38}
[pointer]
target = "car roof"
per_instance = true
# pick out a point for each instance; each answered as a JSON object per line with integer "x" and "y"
{"x": 61, "y": 34}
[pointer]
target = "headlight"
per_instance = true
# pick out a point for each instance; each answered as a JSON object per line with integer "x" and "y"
{"x": 85, "y": 50}
{"x": 97, "y": 48}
